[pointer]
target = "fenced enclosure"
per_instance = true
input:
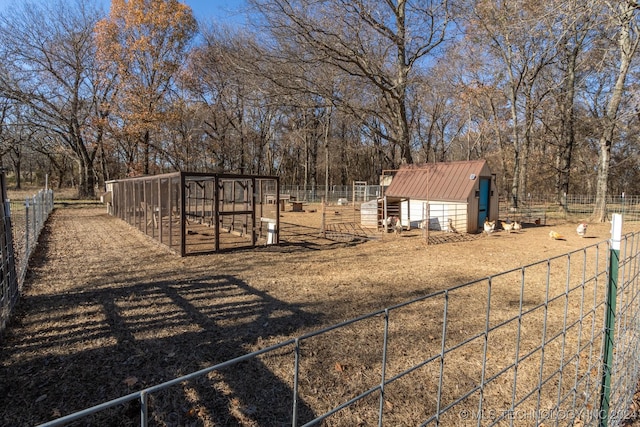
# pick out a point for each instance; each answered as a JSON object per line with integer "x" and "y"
{"x": 534, "y": 206}
{"x": 546, "y": 209}
{"x": 195, "y": 213}
{"x": 359, "y": 191}
{"x": 22, "y": 222}
{"x": 358, "y": 215}
{"x": 522, "y": 347}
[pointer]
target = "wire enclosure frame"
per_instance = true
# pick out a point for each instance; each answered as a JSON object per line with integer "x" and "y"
{"x": 198, "y": 213}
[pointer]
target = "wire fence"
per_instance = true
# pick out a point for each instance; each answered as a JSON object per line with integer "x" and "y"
{"x": 28, "y": 218}
{"x": 23, "y": 221}
{"x": 524, "y": 347}
{"x": 542, "y": 207}
{"x": 197, "y": 213}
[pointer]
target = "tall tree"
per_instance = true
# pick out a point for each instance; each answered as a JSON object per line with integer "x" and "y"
{"x": 624, "y": 19}
{"x": 48, "y": 52}
{"x": 142, "y": 45}
{"x": 374, "y": 44}
{"x": 521, "y": 56}
{"x": 575, "y": 30}
{"x": 232, "y": 101}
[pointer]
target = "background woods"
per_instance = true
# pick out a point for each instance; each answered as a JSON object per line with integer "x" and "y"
{"x": 324, "y": 92}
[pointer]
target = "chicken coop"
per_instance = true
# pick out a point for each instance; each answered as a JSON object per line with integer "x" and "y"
{"x": 196, "y": 213}
{"x": 450, "y": 196}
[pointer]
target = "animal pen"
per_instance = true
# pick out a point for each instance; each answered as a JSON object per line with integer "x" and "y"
{"x": 196, "y": 213}
{"x": 549, "y": 343}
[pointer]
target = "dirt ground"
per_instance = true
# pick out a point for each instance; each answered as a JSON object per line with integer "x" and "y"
{"x": 106, "y": 311}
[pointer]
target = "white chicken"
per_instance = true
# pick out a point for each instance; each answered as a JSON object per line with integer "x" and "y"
{"x": 390, "y": 221}
{"x": 517, "y": 226}
{"x": 489, "y": 226}
{"x": 393, "y": 223}
{"x": 582, "y": 229}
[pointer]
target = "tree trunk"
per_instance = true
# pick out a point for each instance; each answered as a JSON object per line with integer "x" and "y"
{"x": 516, "y": 150}
{"x": 529, "y": 108}
{"x": 628, "y": 48}
{"x": 86, "y": 179}
{"x": 602, "y": 182}
{"x": 403, "y": 128}
{"x": 147, "y": 150}
{"x": 567, "y": 131}
{"x": 17, "y": 169}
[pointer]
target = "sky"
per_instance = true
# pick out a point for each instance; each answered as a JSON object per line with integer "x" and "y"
{"x": 225, "y": 11}
{"x": 219, "y": 10}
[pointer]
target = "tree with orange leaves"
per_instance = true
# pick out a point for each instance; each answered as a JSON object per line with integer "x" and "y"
{"x": 142, "y": 45}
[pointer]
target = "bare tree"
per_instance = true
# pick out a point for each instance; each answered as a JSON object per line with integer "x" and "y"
{"x": 375, "y": 45}
{"x": 522, "y": 48}
{"x": 624, "y": 19}
{"x": 49, "y": 54}
{"x": 240, "y": 107}
{"x": 575, "y": 32}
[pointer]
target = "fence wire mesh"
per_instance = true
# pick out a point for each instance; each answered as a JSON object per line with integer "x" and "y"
{"x": 199, "y": 213}
{"x": 523, "y": 347}
{"x": 23, "y": 222}
{"x": 544, "y": 207}
{"x": 28, "y": 218}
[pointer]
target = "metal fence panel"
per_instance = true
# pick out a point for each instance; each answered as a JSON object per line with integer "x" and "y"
{"x": 22, "y": 222}
{"x": 533, "y": 359}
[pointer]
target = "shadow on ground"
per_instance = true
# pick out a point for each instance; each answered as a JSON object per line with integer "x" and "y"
{"x": 68, "y": 351}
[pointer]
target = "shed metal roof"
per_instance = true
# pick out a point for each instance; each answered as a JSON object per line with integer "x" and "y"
{"x": 448, "y": 181}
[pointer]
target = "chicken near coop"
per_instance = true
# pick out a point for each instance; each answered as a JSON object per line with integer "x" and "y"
{"x": 507, "y": 226}
{"x": 390, "y": 221}
{"x": 517, "y": 226}
{"x": 451, "y": 228}
{"x": 397, "y": 228}
{"x": 555, "y": 235}
{"x": 489, "y": 226}
{"x": 393, "y": 222}
{"x": 582, "y": 229}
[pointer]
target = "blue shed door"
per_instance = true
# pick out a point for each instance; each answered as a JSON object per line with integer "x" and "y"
{"x": 483, "y": 201}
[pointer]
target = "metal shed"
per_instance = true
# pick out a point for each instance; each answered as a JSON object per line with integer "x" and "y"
{"x": 194, "y": 213}
{"x": 458, "y": 195}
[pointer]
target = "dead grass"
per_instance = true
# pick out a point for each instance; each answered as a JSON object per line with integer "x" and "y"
{"x": 106, "y": 311}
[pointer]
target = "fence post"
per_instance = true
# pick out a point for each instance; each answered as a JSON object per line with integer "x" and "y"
{"x": 35, "y": 207}
{"x": 36, "y": 215}
{"x": 610, "y": 318}
{"x": 323, "y": 222}
{"x": 26, "y": 226}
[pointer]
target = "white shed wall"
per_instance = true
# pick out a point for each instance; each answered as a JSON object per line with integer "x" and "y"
{"x": 369, "y": 214}
{"x": 439, "y": 214}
